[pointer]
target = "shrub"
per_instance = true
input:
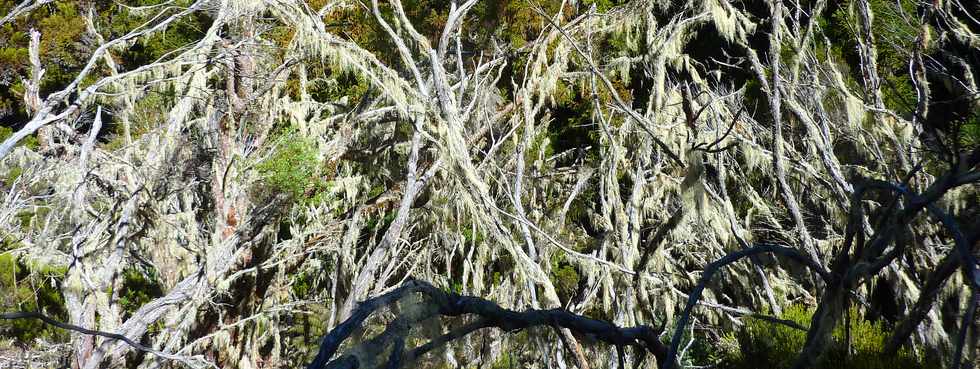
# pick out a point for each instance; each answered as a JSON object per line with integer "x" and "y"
{"x": 777, "y": 345}
{"x": 29, "y": 286}
{"x": 29, "y": 142}
{"x": 137, "y": 290}
{"x": 292, "y": 168}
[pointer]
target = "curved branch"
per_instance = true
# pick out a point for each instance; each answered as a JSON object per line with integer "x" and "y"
{"x": 713, "y": 268}
{"x": 489, "y": 315}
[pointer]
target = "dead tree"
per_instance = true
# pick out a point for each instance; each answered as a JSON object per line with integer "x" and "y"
{"x": 447, "y": 168}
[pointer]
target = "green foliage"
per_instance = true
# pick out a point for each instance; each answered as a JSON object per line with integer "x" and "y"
{"x": 148, "y": 113}
{"x": 13, "y": 54}
{"x": 306, "y": 285}
{"x": 602, "y": 5}
{"x": 566, "y": 280}
{"x": 12, "y": 175}
{"x": 62, "y": 46}
{"x": 894, "y": 38}
{"x": 564, "y": 276}
{"x": 969, "y": 131}
{"x": 540, "y": 147}
{"x": 137, "y": 290}
{"x": 517, "y": 358}
{"x": 303, "y": 284}
{"x": 66, "y": 44}
{"x": 62, "y": 50}
{"x": 755, "y": 99}
{"x": 778, "y": 345}
{"x": 377, "y": 223}
{"x": 505, "y": 361}
{"x": 471, "y": 238}
{"x": 292, "y": 168}
{"x": 502, "y": 268}
{"x": 117, "y": 20}
{"x": 34, "y": 217}
{"x": 29, "y": 286}
{"x": 572, "y": 128}
{"x": 29, "y": 142}
{"x": 774, "y": 343}
{"x": 338, "y": 85}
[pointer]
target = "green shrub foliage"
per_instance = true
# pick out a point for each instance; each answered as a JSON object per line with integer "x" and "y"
{"x": 26, "y": 285}
{"x": 292, "y": 168}
{"x": 763, "y": 343}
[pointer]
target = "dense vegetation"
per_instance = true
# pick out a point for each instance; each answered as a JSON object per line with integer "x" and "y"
{"x": 222, "y": 181}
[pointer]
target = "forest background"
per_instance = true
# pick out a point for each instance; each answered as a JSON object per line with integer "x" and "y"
{"x": 750, "y": 182}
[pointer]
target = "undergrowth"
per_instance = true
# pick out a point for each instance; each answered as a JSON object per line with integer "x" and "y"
{"x": 761, "y": 343}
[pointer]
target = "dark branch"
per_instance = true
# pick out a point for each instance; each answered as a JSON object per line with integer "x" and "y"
{"x": 488, "y": 314}
{"x": 71, "y": 327}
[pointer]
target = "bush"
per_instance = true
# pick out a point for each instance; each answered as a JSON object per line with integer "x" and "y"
{"x": 565, "y": 278}
{"x": 29, "y": 142}
{"x": 777, "y": 346}
{"x": 137, "y": 290}
{"x": 292, "y": 168}
{"x": 28, "y": 286}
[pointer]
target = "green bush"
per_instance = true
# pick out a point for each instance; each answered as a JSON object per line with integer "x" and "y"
{"x": 565, "y": 277}
{"x": 12, "y": 175}
{"x": 34, "y": 217}
{"x": 29, "y": 142}
{"x": 970, "y": 131}
{"x": 292, "y": 168}
{"x": 29, "y": 286}
{"x": 761, "y": 342}
{"x": 137, "y": 290}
